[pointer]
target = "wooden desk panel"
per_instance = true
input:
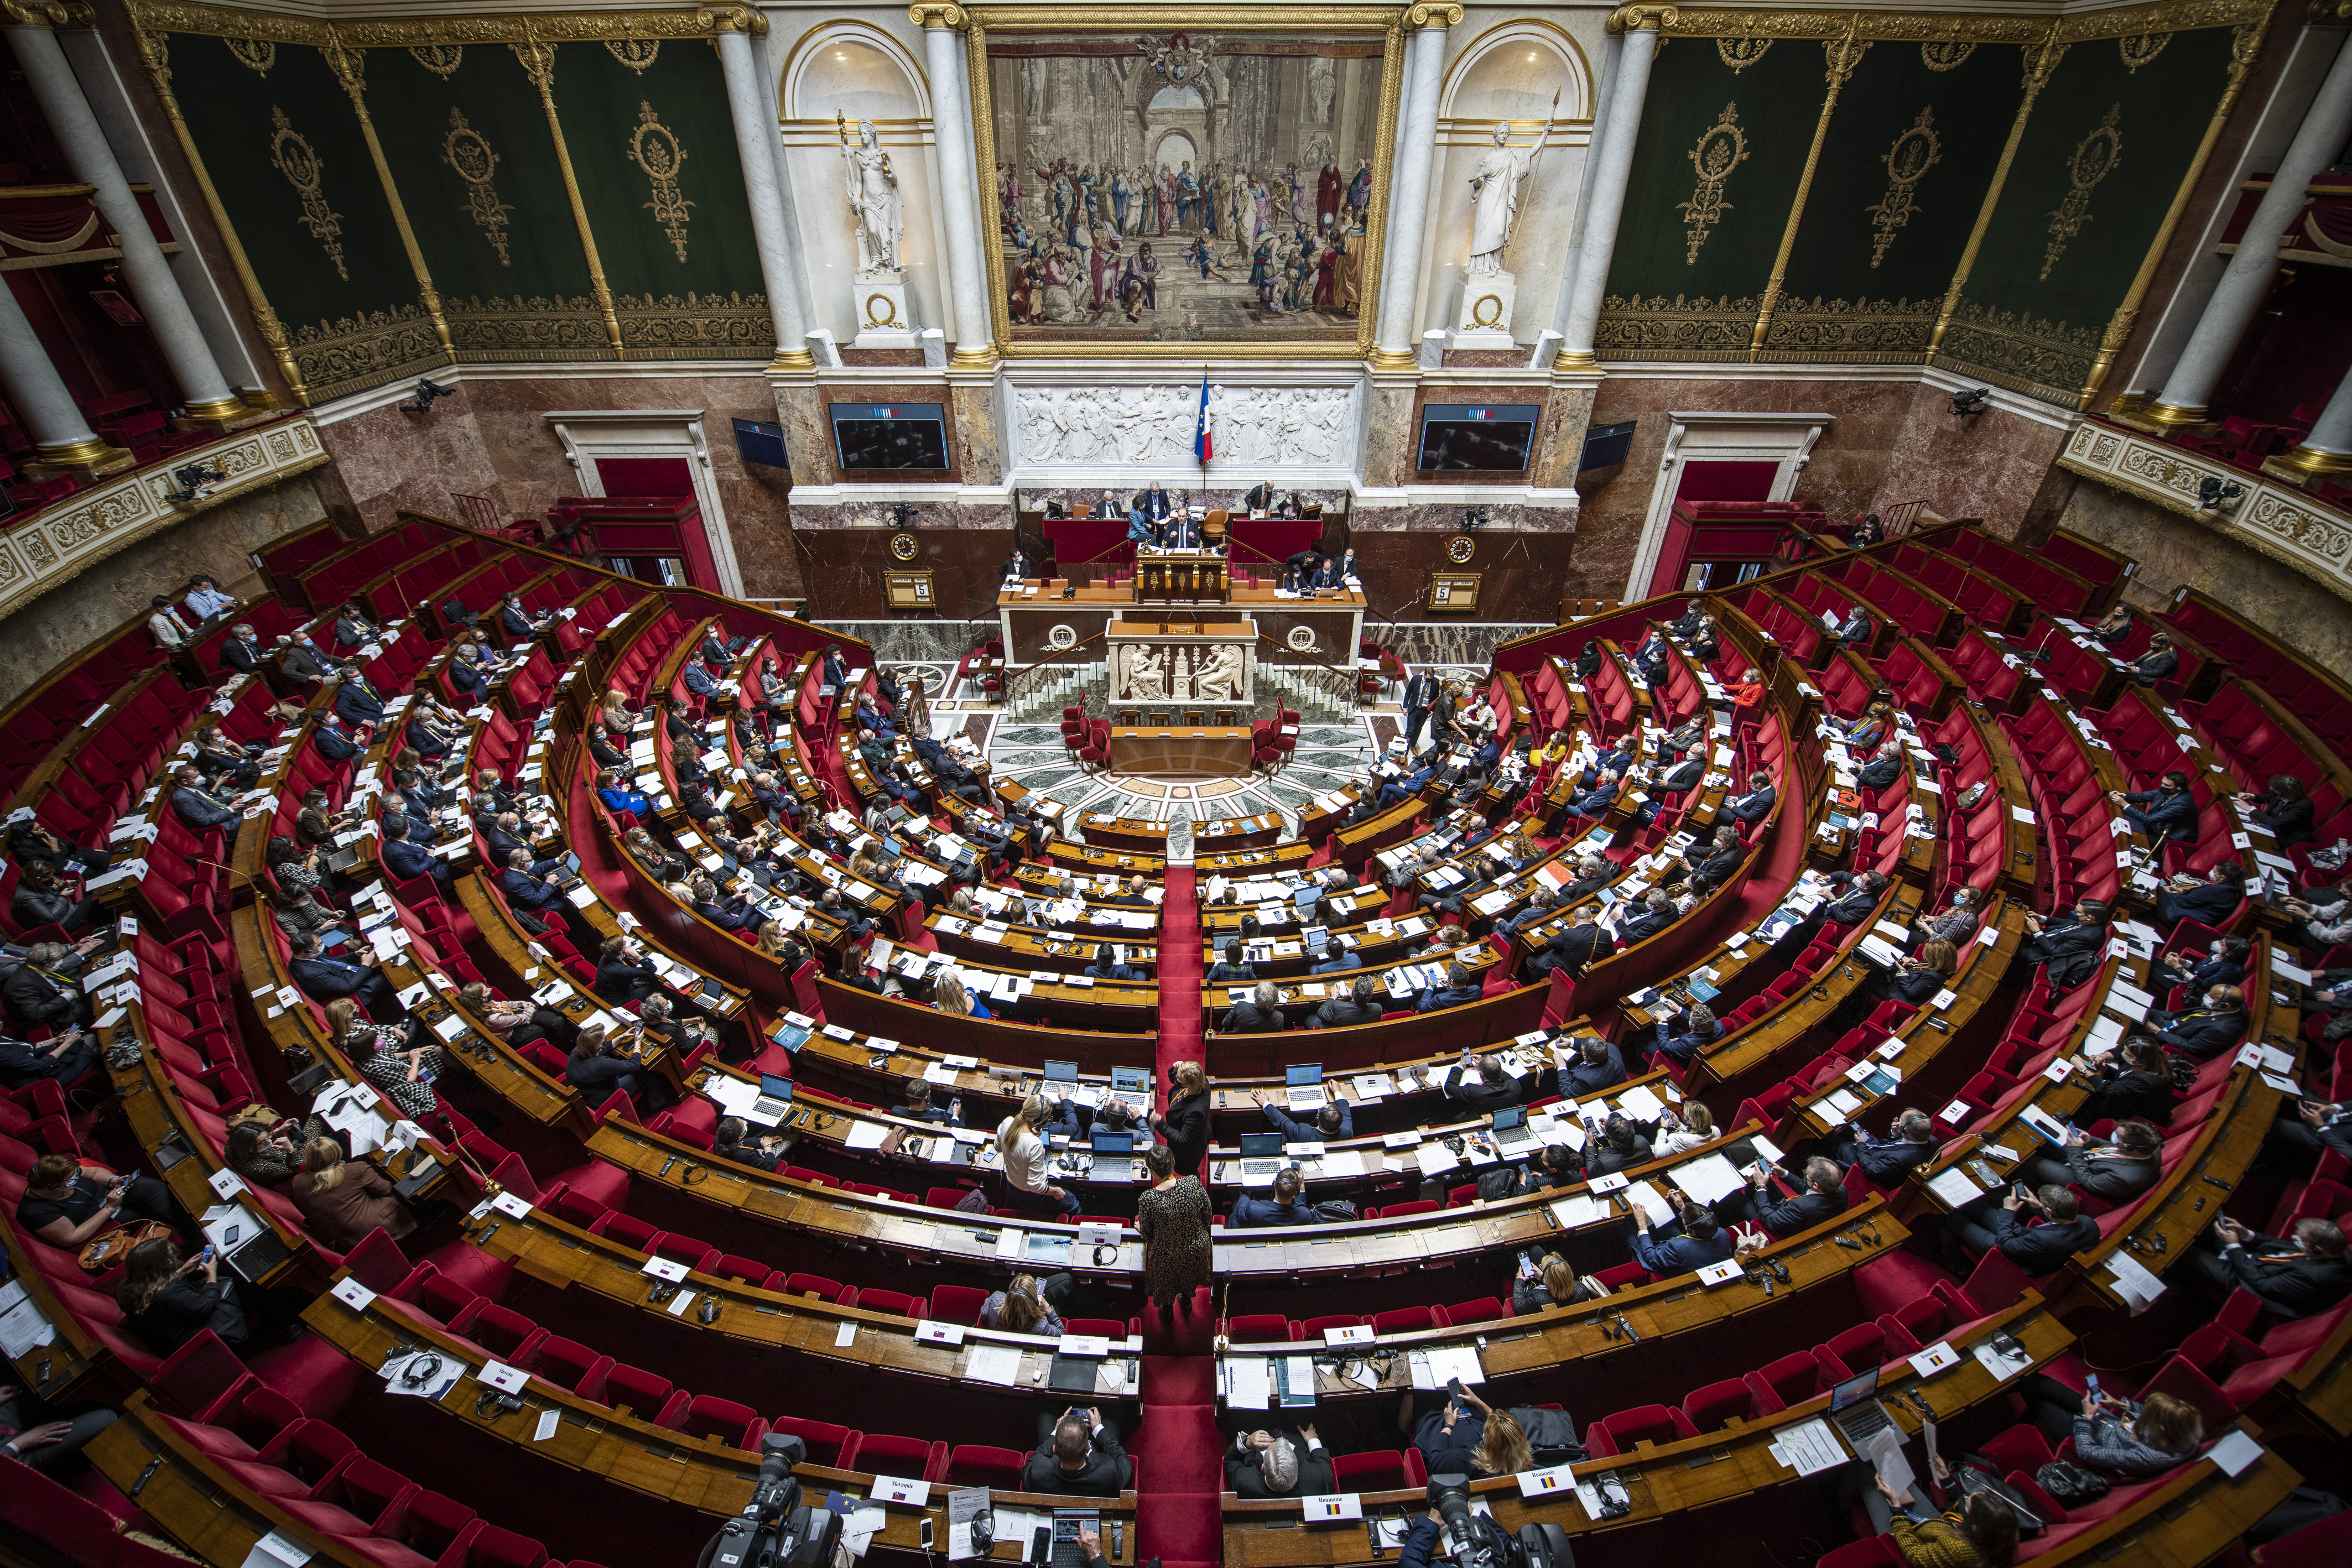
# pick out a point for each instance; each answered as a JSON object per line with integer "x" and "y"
{"x": 1152, "y": 749}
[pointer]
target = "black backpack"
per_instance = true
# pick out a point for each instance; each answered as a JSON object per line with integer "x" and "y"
{"x": 1550, "y": 1433}
{"x": 1503, "y": 1182}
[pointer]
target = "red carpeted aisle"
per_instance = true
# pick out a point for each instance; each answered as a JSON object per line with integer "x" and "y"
{"x": 1182, "y": 1470}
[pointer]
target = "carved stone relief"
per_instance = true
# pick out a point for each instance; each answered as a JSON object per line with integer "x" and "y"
{"x": 1270, "y": 429}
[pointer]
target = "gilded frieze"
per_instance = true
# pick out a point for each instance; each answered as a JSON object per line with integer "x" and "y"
{"x": 2046, "y": 360}
{"x": 497, "y": 330}
{"x": 2093, "y": 159}
{"x": 1914, "y": 153}
{"x": 355, "y": 353}
{"x": 696, "y": 327}
{"x": 298, "y": 161}
{"x": 1851, "y": 331}
{"x": 1722, "y": 147}
{"x": 655, "y": 148}
{"x": 1676, "y": 328}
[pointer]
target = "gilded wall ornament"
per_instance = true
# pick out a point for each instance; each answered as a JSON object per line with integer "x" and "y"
{"x": 2141, "y": 49}
{"x": 441, "y": 59}
{"x": 654, "y": 148}
{"x": 637, "y": 54}
{"x": 465, "y": 151}
{"x": 1914, "y": 153}
{"x": 256, "y": 55}
{"x": 301, "y": 165}
{"x": 1945, "y": 54}
{"x": 1741, "y": 53}
{"x": 1722, "y": 148}
{"x": 2093, "y": 162}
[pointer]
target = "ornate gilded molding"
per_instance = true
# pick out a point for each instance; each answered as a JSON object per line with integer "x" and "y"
{"x": 734, "y": 20}
{"x": 2277, "y": 520}
{"x": 934, "y": 16}
{"x": 48, "y": 12}
{"x": 697, "y": 327}
{"x": 655, "y": 148}
{"x": 1221, "y": 19}
{"x": 2041, "y": 64}
{"x": 1945, "y": 54}
{"x": 357, "y": 353}
{"x": 1850, "y": 332}
{"x": 256, "y": 55}
{"x": 1930, "y": 25}
{"x": 441, "y": 59}
{"x": 292, "y": 154}
{"x": 1721, "y": 149}
{"x": 469, "y": 152}
{"x": 537, "y": 60}
{"x": 1914, "y": 153}
{"x": 1738, "y": 54}
{"x": 1676, "y": 328}
{"x": 403, "y": 32}
{"x": 2045, "y": 359}
{"x": 60, "y": 542}
{"x": 1640, "y": 19}
{"x": 2094, "y": 159}
{"x": 350, "y": 67}
{"x": 1433, "y": 16}
{"x": 500, "y": 331}
{"x": 1842, "y": 55}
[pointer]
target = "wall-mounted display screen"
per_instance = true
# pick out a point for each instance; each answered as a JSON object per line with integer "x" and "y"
{"x": 890, "y": 436}
{"x": 1494, "y": 438}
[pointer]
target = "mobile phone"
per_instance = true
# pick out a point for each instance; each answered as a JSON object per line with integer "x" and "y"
{"x": 2019, "y": 1188}
{"x": 2091, "y": 1380}
{"x": 927, "y": 1532}
{"x": 1454, "y": 1386}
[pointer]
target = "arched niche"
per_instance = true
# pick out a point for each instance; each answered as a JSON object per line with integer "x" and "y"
{"x": 1510, "y": 72}
{"x": 855, "y": 70}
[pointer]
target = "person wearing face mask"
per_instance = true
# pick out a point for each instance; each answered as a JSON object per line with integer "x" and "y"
{"x": 2207, "y": 1030}
{"x": 2067, "y": 940}
{"x": 2117, "y": 1171}
{"x": 2166, "y": 814}
{"x": 2223, "y": 963}
{"x": 358, "y": 703}
{"x": 1956, "y": 924}
{"x": 305, "y": 663}
{"x": 2208, "y": 902}
{"x": 240, "y": 651}
{"x": 2132, "y": 1084}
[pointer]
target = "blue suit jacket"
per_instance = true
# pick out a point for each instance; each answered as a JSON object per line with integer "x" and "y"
{"x": 2038, "y": 1249}
{"x": 1679, "y": 1254}
{"x": 355, "y": 706}
{"x": 2164, "y": 816}
{"x": 406, "y": 860}
{"x": 335, "y": 745}
{"x": 1295, "y": 1131}
{"x": 526, "y": 891}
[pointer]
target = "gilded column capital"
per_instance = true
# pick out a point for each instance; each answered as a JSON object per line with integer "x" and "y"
{"x": 1640, "y": 18}
{"x": 732, "y": 19}
{"x": 2322, "y": 12}
{"x": 1434, "y": 15}
{"x": 46, "y": 14}
{"x": 939, "y": 15}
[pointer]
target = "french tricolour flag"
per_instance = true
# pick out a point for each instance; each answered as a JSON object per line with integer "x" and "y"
{"x": 1201, "y": 444}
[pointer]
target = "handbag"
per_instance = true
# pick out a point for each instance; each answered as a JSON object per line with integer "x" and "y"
{"x": 2070, "y": 1486}
{"x": 105, "y": 1252}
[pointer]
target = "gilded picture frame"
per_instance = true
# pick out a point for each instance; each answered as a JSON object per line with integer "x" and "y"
{"x": 1152, "y": 31}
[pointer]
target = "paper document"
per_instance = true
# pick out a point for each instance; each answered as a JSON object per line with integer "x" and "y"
{"x": 1810, "y": 1448}
{"x": 1886, "y": 1455}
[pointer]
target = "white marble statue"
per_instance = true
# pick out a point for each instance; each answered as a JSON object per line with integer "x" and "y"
{"x": 874, "y": 197}
{"x": 1495, "y": 198}
{"x": 1322, "y": 78}
{"x": 1221, "y": 681}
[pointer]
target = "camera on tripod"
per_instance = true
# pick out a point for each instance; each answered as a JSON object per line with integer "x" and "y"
{"x": 776, "y": 1530}
{"x": 1480, "y": 1542}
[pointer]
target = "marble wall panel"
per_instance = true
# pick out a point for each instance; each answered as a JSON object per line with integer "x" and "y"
{"x": 385, "y": 461}
{"x": 844, "y": 550}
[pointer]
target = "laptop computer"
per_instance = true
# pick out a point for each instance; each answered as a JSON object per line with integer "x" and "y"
{"x": 1114, "y": 1154}
{"x": 1129, "y": 1080}
{"x": 1262, "y": 1154}
{"x": 1511, "y": 1127}
{"x": 775, "y": 1099}
{"x": 567, "y": 873}
{"x": 1855, "y": 1411}
{"x": 1067, "y": 1523}
{"x": 1061, "y": 1072}
{"x": 1304, "y": 1086}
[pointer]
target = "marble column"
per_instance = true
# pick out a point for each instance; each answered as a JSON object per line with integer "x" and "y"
{"x": 202, "y": 388}
{"x": 943, "y": 50}
{"x": 38, "y": 395}
{"x": 2328, "y": 448}
{"x": 1613, "y": 56}
{"x": 2246, "y": 282}
{"x": 764, "y": 70}
{"x": 1612, "y": 170}
{"x": 748, "y": 107}
{"x": 1412, "y": 47}
{"x": 1399, "y": 336}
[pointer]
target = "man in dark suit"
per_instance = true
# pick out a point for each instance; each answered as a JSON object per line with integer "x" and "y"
{"x": 332, "y": 740}
{"x": 1909, "y": 1143}
{"x": 2209, "y": 903}
{"x": 1260, "y": 497}
{"x": 2296, "y": 1279}
{"x": 1856, "y": 627}
{"x": 1594, "y": 803}
{"x": 2080, "y": 930}
{"x": 324, "y": 979}
{"x": 699, "y": 682}
{"x": 1106, "y": 966}
{"x": 518, "y": 623}
{"x": 62, "y": 1058}
{"x": 2037, "y": 1250}
{"x": 2223, "y": 964}
{"x": 2206, "y": 1032}
{"x": 1860, "y": 900}
{"x": 1461, "y": 987}
{"x": 1264, "y": 1465}
{"x": 1421, "y": 692}
{"x": 2116, "y": 1171}
{"x": 502, "y": 836}
{"x": 240, "y": 651}
{"x": 1078, "y": 1456}
{"x": 1327, "y": 575}
{"x": 1657, "y": 914}
{"x": 2166, "y": 814}
{"x": 732, "y": 912}
{"x": 525, "y": 885}
{"x": 1884, "y": 767}
{"x": 1360, "y": 1003}
{"x": 405, "y": 858}
{"x": 1597, "y": 1065}
{"x": 1752, "y": 806}
{"x": 39, "y": 991}
{"x": 359, "y": 703}
{"x": 1282, "y": 1207}
{"x": 1580, "y": 945}
{"x": 1708, "y": 860}
{"x": 1482, "y": 1083}
{"x": 1700, "y": 1242}
{"x": 1672, "y": 781}
{"x": 1261, "y": 1014}
{"x": 1403, "y": 787}
{"x": 835, "y": 672}
{"x": 1821, "y": 1197}
{"x": 199, "y": 807}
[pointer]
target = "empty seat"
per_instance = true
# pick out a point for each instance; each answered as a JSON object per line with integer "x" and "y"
{"x": 828, "y": 1445}
{"x": 909, "y": 1458}
{"x": 976, "y": 1465}
{"x": 1619, "y": 1433}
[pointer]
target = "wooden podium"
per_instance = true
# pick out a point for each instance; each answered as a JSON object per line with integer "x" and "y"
{"x": 1170, "y": 577}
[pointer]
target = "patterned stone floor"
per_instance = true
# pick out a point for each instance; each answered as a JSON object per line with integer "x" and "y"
{"x": 1032, "y": 755}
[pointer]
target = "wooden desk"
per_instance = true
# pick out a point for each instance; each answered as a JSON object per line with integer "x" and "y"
{"x": 1152, "y": 749}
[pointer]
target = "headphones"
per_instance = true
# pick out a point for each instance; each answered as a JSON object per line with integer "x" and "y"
{"x": 421, "y": 1370}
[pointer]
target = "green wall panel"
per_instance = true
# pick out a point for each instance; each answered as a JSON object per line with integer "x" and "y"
{"x": 501, "y": 245}
{"x": 1664, "y": 300}
{"x": 331, "y": 264}
{"x": 710, "y": 302}
{"x": 2039, "y": 300}
{"x": 1862, "y": 288}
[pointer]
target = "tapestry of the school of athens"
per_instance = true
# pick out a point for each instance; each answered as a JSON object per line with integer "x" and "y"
{"x": 1183, "y": 188}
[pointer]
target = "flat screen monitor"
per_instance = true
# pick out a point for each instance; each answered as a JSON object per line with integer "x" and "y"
{"x": 890, "y": 436}
{"x": 1488, "y": 438}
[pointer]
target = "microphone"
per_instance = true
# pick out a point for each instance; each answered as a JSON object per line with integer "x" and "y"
{"x": 242, "y": 875}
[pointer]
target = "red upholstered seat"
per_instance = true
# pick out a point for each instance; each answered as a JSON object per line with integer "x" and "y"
{"x": 1618, "y": 1433}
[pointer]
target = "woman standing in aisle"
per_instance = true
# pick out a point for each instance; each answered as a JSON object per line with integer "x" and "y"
{"x": 1173, "y": 1218}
